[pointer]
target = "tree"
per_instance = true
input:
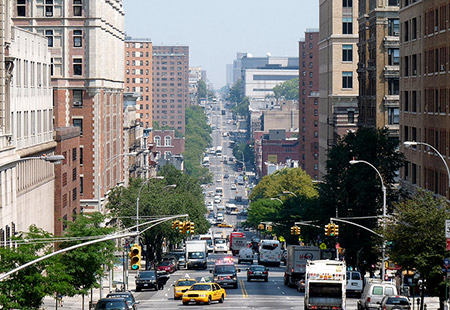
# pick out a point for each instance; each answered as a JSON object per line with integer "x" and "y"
{"x": 355, "y": 191}
{"x": 236, "y": 93}
{"x": 242, "y": 108}
{"x": 86, "y": 265}
{"x": 27, "y": 288}
{"x": 417, "y": 238}
{"x": 202, "y": 90}
{"x": 287, "y": 90}
{"x": 248, "y": 153}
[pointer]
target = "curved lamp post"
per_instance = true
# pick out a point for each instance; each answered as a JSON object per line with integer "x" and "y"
{"x": 383, "y": 188}
{"x": 290, "y": 193}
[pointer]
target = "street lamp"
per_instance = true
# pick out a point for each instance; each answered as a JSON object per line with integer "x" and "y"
{"x": 99, "y": 203}
{"x": 414, "y": 143}
{"x": 277, "y": 199}
{"x": 383, "y": 188}
{"x": 290, "y": 193}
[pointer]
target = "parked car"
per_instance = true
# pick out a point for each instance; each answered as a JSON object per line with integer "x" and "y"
{"x": 128, "y": 296}
{"x": 354, "y": 283}
{"x": 395, "y": 303}
{"x": 373, "y": 293}
{"x": 257, "y": 272}
{"x": 112, "y": 304}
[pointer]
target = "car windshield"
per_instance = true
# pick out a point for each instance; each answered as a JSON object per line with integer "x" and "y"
{"x": 201, "y": 287}
{"x": 257, "y": 268}
{"x": 147, "y": 274}
{"x": 129, "y": 297}
{"x": 186, "y": 283}
{"x": 356, "y": 276}
{"x": 220, "y": 241}
{"x": 225, "y": 269}
{"x": 397, "y": 301}
{"x": 165, "y": 263}
{"x": 111, "y": 305}
{"x": 196, "y": 255}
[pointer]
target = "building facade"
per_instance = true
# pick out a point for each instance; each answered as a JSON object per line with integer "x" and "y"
{"x": 170, "y": 86}
{"x": 138, "y": 76}
{"x": 309, "y": 103}
{"x": 338, "y": 83}
{"x": 379, "y": 65}
{"x": 424, "y": 93}
{"x": 86, "y": 41}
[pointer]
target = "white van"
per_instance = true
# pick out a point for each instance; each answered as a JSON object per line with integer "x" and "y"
{"x": 354, "y": 283}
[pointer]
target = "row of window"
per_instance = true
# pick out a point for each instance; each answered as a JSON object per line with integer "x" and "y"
{"x": 77, "y": 37}
{"x": 437, "y": 19}
{"x": 48, "y": 8}
{"x": 138, "y": 45}
{"x": 31, "y": 74}
{"x": 167, "y": 140}
{"x": 32, "y": 123}
{"x": 138, "y": 54}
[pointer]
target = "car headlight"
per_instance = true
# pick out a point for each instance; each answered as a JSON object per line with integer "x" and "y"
{"x": 234, "y": 278}
{"x": 216, "y": 278}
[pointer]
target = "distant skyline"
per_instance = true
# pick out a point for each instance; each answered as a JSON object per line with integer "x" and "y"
{"x": 216, "y": 31}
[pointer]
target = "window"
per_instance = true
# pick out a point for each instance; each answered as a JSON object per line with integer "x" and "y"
{"x": 347, "y": 3}
{"x": 49, "y": 35}
{"x": 77, "y": 66}
{"x": 81, "y": 186}
{"x": 393, "y": 86}
{"x": 393, "y": 27}
{"x": 347, "y": 80}
{"x": 393, "y": 116}
{"x": 347, "y": 25}
{"x": 74, "y": 154}
{"x": 168, "y": 141}
{"x": 21, "y": 8}
{"x": 77, "y": 97}
{"x": 48, "y": 8}
{"x": 347, "y": 52}
{"x": 157, "y": 140}
{"x": 74, "y": 194}
{"x": 64, "y": 179}
{"x": 77, "y": 38}
{"x": 77, "y": 6}
{"x": 351, "y": 117}
{"x": 74, "y": 174}
{"x": 81, "y": 156}
{"x": 393, "y": 57}
{"x": 393, "y": 3}
{"x": 78, "y": 122}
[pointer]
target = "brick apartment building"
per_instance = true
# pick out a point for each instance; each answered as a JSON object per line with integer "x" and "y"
{"x": 86, "y": 41}
{"x": 170, "y": 86}
{"x": 138, "y": 76}
{"x": 424, "y": 93}
{"x": 309, "y": 103}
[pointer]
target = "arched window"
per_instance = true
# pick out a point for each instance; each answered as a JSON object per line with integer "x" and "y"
{"x": 157, "y": 140}
{"x": 167, "y": 141}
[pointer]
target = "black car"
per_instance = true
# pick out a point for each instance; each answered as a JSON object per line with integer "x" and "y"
{"x": 112, "y": 304}
{"x": 226, "y": 176}
{"x": 225, "y": 275}
{"x": 128, "y": 296}
{"x": 147, "y": 279}
{"x": 257, "y": 272}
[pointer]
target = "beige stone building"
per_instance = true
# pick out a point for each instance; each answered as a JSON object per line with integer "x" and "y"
{"x": 424, "y": 93}
{"x": 378, "y": 67}
{"x": 338, "y": 83}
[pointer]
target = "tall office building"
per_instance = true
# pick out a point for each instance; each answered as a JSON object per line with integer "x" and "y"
{"x": 138, "y": 76}
{"x": 170, "y": 86}
{"x": 86, "y": 41}
{"x": 378, "y": 66}
{"x": 309, "y": 103}
{"x": 424, "y": 93}
{"x": 338, "y": 83}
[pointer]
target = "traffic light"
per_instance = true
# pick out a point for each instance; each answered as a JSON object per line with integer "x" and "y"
{"x": 333, "y": 230}
{"x": 184, "y": 227}
{"x": 293, "y": 230}
{"x": 269, "y": 227}
{"x": 336, "y": 230}
{"x": 135, "y": 257}
{"x": 297, "y": 230}
{"x": 192, "y": 228}
{"x": 180, "y": 226}
{"x": 187, "y": 228}
{"x": 328, "y": 230}
{"x": 175, "y": 225}
{"x": 261, "y": 226}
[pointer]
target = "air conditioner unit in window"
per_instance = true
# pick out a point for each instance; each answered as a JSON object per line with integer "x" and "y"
{"x": 78, "y": 103}
{"x": 396, "y": 33}
{"x": 436, "y": 28}
{"x": 414, "y": 72}
{"x": 442, "y": 68}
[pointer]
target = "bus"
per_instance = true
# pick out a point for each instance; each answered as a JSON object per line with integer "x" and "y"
{"x": 219, "y": 151}
{"x": 269, "y": 252}
{"x": 219, "y": 191}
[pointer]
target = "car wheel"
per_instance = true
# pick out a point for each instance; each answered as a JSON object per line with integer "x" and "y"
{"x": 185, "y": 303}
{"x": 138, "y": 289}
{"x": 209, "y": 300}
{"x": 239, "y": 261}
{"x": 156, "y": 288}
{"x": 248, "y": 279}
{"x": 235, "y": 286}
{"x": 221, "y": 299}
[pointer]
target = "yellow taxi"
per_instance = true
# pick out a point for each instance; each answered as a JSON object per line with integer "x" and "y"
{"x": 181, "y": 286}
{"x": 225, "y": 225}
{"x": 204, "y": 293}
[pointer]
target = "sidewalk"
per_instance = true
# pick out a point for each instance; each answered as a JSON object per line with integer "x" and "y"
{"x": 76, "y": 301}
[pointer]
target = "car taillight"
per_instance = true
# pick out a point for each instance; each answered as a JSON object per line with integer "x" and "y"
{"x": 265, "y": 272}
{"x": 384, "y": 308}
{"x": 250, "y": 272}
{"x": 368, "y": 299}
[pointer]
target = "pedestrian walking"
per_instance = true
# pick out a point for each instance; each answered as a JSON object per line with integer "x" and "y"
{"x": 59, "y": 298}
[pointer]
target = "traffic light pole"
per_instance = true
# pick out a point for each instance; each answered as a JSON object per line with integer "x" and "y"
{"x": 358, "y": 225}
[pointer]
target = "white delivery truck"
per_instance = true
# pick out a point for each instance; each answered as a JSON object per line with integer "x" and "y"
{"x": 196, "y": 254}
{"x": 325, "y": 285}
{"x": 296, "y": 262}
{"x": 269, "y": 252}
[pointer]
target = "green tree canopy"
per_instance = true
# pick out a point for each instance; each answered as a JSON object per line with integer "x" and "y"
{"x": 352, "y": 191}
{"x": 202, "y": 90}
{"x": 287, "y": 90}
{"x": 417, "y": 237}
{"x": 249, "y": 154}
{"x": 242, "y": 108}
{"x": 236, "y": 92}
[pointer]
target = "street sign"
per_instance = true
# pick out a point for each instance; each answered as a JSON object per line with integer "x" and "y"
{"x": 447, "y": 229}
{"x": 322, "y": 246}
{"x": 448, "y": 244}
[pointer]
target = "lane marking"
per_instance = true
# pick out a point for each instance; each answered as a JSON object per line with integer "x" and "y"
{"x": 243, "y": 289}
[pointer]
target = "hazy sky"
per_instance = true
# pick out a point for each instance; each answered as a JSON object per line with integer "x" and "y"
{"x": 215, "y": 30}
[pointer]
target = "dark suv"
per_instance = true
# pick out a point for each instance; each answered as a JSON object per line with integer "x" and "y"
{"x": 147, "y": 279}
{"x": 112, "y": 304}
{"x": 127, "y": 295}
{"x": 225, "y": 275}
